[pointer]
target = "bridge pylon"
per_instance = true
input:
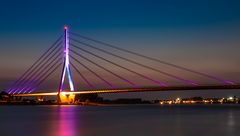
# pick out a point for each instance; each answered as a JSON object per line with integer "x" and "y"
{"x": 65, "y": 70}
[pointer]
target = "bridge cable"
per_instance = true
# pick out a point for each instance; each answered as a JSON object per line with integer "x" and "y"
{"x": 116, "y": 75}
{"x": 35, "y": 82}
{"x": 129, "y": 70}
{"x": 33, "y": 70}
{"x": 94, "y": 73}
{"x": 136, "y": 63}
{"x": 37, "y": 77}
{"x": 38, "y": 71}
{"x": 45, "y": 77}
{"x": 82, "y": 76}
{"x": 32, "y": 66}
{"x": 156, "y": 60}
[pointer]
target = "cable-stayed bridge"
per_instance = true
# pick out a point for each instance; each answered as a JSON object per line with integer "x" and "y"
{"x": 100, "y": 70}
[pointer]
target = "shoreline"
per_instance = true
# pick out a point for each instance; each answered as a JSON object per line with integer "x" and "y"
{"x": 102, "y": 104}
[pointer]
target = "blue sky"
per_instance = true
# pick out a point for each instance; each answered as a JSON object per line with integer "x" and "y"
{"x": 50, "y": 15}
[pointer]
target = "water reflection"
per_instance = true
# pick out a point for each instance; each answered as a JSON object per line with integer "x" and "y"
{"x": 230, "y": 125}
{"x": 120, "y": 120}
{"x": 65, "y": 123}
{"x": 231, "y": 120}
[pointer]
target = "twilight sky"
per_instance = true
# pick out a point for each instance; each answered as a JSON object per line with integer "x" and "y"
{"x": 203, "y": 35}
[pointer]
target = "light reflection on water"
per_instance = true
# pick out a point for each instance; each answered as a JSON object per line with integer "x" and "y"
{"x": 152, "y": 120}
{"x": 66, "y": 124}
{"x": 64, "y": 121}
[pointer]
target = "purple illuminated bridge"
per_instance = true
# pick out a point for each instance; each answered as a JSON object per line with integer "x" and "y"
{"x": 87, "y": 56}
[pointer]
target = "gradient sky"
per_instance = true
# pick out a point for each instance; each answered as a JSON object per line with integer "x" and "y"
{"x": 203, "y": 34}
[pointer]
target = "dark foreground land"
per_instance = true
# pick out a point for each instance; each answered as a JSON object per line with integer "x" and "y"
{"x": 178, "y": 101}
{"x": 94, "y": 99}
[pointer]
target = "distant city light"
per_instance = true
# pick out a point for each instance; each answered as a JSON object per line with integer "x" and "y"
{"x": 178, "y": 99}
{"x": 230, "y": 98}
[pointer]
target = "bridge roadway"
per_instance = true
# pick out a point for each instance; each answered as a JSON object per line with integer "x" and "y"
{"x": 150, "y": 89}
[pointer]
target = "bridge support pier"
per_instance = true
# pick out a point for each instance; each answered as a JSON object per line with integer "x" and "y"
{"x": 40, "y": 98}
{"x": 66, "y": 98}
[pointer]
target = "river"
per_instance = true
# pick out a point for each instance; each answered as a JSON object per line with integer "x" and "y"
{"x": 120, "y": 120}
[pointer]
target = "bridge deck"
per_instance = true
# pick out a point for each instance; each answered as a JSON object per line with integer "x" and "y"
{"x": 176, "y": 88}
